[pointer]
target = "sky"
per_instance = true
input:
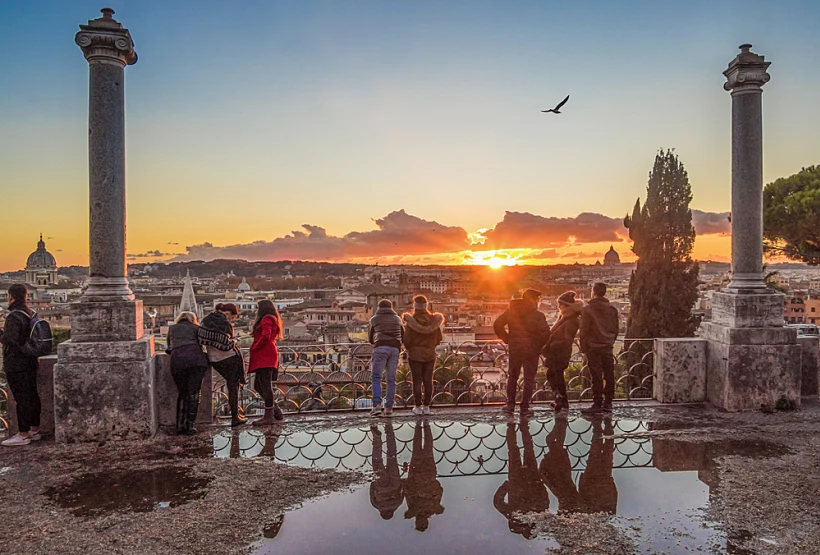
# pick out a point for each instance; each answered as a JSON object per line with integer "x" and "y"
{"x": 391, "y": 131}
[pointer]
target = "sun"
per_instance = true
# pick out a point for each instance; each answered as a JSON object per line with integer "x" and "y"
{"x": 495, "y": 263}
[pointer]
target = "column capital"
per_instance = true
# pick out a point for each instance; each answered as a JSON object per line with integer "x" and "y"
{"x": 747, "y": 72}
{"x": 105, "y": 41}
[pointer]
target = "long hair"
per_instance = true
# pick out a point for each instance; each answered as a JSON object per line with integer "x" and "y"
{"x": 266, "y": 307}
{"x": 189, "y": 316}
{"x": 227, "y": 307}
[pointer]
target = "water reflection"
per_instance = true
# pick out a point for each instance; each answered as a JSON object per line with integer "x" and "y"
{"x": 422, "y": 490}
{"x": 386, "y": 490}
{"x": 596, "y": 487}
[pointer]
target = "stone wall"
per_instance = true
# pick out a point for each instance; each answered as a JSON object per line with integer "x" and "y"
{"x": 166, "y": 394}
{"x": 810, "y": 365}
{"x": 680, "y": 370}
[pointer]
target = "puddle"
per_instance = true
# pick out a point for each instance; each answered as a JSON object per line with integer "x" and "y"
{"x": 453, "y": 487}
{"x": 128, "y": 491}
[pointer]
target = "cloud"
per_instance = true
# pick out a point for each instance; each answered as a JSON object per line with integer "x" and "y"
{"x": 545, "y": 254}
{"x": 149, "y": 254}
{"x": 172, "y": 243}
{"x": 711, "y": 223}
{"x": 525, "y": 230}
{"x": 581, "y": 255}
{"x": 398, "y": 234}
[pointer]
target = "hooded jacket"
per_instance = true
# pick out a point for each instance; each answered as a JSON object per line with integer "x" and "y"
{"x": 386, "y": 329}
{"x": 563, "y": 331}
{"x": 264, "y": 353}
{"x": 14, "y": 336}
{"x": 422, "y": 334}
{"x": 600, "y": 324}
{"x": 523, "y": 327}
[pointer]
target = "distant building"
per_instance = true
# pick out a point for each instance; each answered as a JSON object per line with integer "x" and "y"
{"x": 188, "y": 301}
{"x": 612, "y": 258}
{"x": 41, "y": 267}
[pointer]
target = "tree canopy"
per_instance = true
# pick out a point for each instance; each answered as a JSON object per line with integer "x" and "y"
{"x": 791, "y": 216}
{"x": 663, "y": 287}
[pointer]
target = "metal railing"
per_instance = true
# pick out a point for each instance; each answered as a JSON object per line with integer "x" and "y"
{"x": 321, "y": 378}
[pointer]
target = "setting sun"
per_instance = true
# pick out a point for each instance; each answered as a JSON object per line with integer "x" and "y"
{"x": 495, "y": 262}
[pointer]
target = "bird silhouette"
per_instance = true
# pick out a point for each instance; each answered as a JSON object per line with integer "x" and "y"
{"x": 557, "y": 109}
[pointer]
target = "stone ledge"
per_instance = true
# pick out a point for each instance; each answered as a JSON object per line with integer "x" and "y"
{"x": 165, "y": 394}
{"x": 680, "y": 370}
{"x": 106, "y": 351}
{"x": 810, "y": 365}
{"x": 106, "y": 321}
{"x": 781, "y": 335}
{"x": 750, "y": 310}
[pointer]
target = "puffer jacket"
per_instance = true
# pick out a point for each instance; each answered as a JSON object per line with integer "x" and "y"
{"x": 386, "y": 329}
{"x": 523, "y": 327}
{"x": 14, "y": 335}
{"x": 600, "y": 324}
{"x": 563, "y": 331}
{"x": 422, "y": 334}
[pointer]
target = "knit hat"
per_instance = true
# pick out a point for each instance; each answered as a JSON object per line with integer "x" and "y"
{"x": 568, "y": 297}
{"x": 420, "y": 302}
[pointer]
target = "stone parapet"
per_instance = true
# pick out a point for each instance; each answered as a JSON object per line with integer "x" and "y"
{"x": 749, "y": 310}
{"x": 45, "y": 388}
{"x": 166, "y": 394}
{"x": 111, "y": 321}
{"x": 680, "y": 370}
{"x": 811, "y": 364}
{"x": 110, "y": 397}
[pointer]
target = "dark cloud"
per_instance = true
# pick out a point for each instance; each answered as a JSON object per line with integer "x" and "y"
{"x": 525, "y": 230}
{"x": 711, "y": 223}
{"x": 580, "y": 255}
{"x": 398, "y": 233}
{"x": 172, "y": 243}
{"x": 149, "y": 254}
{"x": 546, "y": 253}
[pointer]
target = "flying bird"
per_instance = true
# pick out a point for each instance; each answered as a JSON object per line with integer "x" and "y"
{"x": 557, "y": 109}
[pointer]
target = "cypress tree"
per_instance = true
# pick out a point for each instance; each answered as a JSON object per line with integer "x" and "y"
{"x": 664, "y": 286}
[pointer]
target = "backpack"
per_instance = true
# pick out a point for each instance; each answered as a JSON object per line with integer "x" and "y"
{"x": 40, "y": 340}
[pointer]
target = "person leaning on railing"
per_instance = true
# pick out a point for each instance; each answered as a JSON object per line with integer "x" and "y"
{"x": 422, "y": 334}
{"x": 217, "y": 335}
{"x": 264, "y": 358}
{"x": 385, "y": 334}
{"x": 188, "y": 366}
{"x": 558, "y": 350}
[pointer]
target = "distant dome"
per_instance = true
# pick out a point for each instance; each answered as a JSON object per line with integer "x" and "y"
{"x": 611, "y": 258}
{"x": 41, "y": 258}
{"x": 244, "y": 286}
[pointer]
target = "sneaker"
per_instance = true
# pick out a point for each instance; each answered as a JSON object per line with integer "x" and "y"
{"x": 35, "y": 436}
{"x": 239, "y": 421}
{"x": 16, "y": 440}
{"x": 418, "y": 411}
{"x": 376, "y": 411}
{"x": 388, "y": 413}
{"x": 425, "y": 410}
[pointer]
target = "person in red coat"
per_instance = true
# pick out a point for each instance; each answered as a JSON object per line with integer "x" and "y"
{"x": 264, "y": 358}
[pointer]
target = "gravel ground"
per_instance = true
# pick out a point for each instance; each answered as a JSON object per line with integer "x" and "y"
{"x": 764, "y": 479}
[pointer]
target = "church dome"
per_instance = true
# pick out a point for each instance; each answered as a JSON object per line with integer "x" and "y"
{"x": 244, "y": 285}
{"x": 41, "y": 258}
{"x": 612, "y": 258}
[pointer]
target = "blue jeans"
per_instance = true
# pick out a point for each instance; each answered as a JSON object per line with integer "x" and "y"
{"x": 384, "y": 358}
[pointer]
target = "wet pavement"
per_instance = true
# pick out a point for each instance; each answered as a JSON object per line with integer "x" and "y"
{"x": 445, "y": 486}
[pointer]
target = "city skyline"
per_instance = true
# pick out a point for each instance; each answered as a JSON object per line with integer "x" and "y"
{"x": 378, "y": 125}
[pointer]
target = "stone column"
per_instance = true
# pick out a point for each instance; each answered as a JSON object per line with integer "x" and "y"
{"x": 745, "y": 78}
{"x": 104, "y": 376}
{"x": 753, "y": 361}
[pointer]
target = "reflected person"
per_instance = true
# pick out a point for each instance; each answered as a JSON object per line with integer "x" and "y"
{"x": 596, "y": 487}
{"x": 556, "y": 468}
{"x": 386, "y": 493}
{"x": 524, "y": 491}
{"x": 422, "y": 490}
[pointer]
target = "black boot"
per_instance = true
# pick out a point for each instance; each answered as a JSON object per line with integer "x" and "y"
{"x": 193, "y": 410}
{"x": 181, "y": 414}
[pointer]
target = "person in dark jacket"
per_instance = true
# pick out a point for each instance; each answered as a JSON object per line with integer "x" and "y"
{"x": 386, "y": 491}
{"x": 597, "y": 491}
{"x": 524, "y": 328}
{"x": 556, "y": 468}
{"x": 385, "y": 334}
{"x": 188, "y": 366}
{"x": 21, "y": 369}
{"x": 422, "y": 334}
{"x": 600, "y": 324}
{"x": 422, "y": 490}
{"x": 559, "y": 349}
{"x": 264, "y": 358}
{"x": 217, "y": 335}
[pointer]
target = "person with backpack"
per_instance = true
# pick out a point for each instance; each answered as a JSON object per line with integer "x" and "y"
{"x": 20, "y": 364}
{"x": 385, "y": 334}
{"x": 422, "y": 334}
{"x": 558, "y": 350}
{"x": 217, "y": 334}
{"x": 524, "y": 328}
{"x": 600, "y": 324}
{"x": 188, "y": 367}
{"x": 264, "y": 358}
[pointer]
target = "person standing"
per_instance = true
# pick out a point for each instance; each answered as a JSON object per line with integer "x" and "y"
{"x": 559, "y": 348}
{"x": 188, "y": 366}
{"x": 264, "y": 358}
{"x": 524, "y": 328}
{"x": 385, "y": 334}
{"x": 217, "y": 334}
{"x": 21, "y": 369}
{"x": 422, "y": 334}
{"x": 386, "y": 490}
{"x": 600, "y": 324}
{"x": 422, "y": 489}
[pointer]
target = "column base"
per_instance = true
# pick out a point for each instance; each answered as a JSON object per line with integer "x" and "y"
{"x": 106, "y": 289}
{"x": 106, "y": 321}
{"x": 748, "y": 309}
{"x": 104, "y": 391}
{"x": 752, "y": 368}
